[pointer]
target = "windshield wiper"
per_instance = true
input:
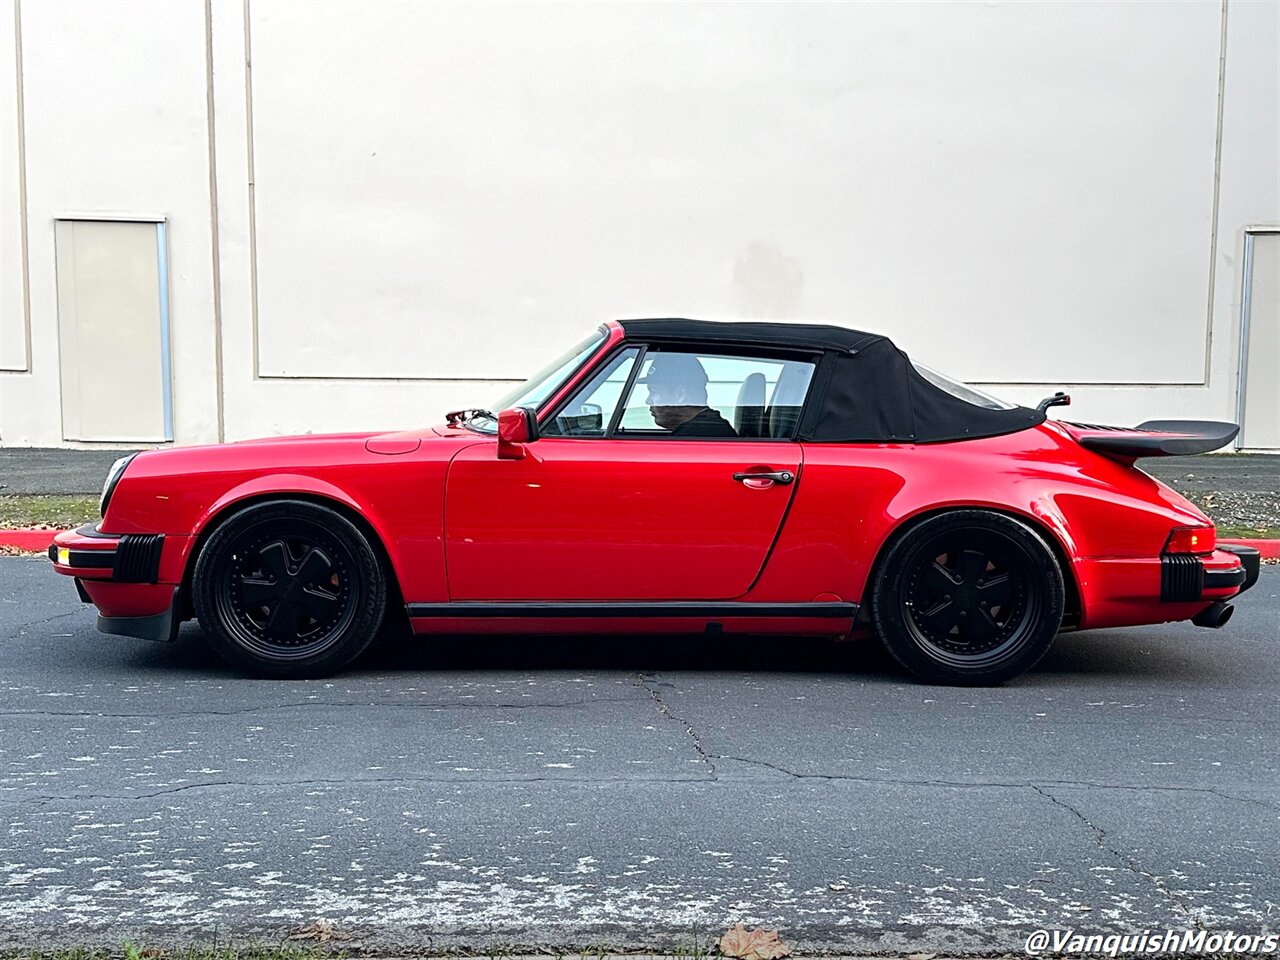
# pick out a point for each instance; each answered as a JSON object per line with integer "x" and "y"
{"x": 455, "y": 417}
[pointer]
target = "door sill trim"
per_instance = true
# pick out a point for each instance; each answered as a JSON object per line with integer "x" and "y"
{"x": 673, "y": 609}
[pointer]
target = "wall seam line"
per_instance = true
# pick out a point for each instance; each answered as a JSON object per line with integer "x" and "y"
{"x": 1217, "y": 191}
{"x": 24, "y": 244}
{"x": 214, "y": 239}
{"x": 253, "y": 214}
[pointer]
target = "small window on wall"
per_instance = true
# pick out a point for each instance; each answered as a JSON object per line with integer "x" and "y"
{"x": 695, "y": 395}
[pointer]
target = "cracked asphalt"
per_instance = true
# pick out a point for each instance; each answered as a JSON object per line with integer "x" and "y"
{"x": 631, "y": 792}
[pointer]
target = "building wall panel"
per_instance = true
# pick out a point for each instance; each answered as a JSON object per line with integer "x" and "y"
{"x": 970, "y": 177}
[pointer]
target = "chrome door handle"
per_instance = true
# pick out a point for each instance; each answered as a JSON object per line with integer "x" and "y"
{"x": 777, "y": 476}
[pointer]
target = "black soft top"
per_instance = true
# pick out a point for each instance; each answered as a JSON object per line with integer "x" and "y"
{"x": 866, "y": 390}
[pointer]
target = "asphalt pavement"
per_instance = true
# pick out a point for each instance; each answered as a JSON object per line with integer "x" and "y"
{"x": 632, "y": 792}
{"x": 27, "y": 471}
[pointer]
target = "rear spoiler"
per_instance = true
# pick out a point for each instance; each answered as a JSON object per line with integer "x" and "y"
{"x": 1155, "y": 438}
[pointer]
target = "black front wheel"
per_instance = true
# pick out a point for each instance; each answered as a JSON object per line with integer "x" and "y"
{"x": 289, "y": 589}
{"x": 968, "y": 597}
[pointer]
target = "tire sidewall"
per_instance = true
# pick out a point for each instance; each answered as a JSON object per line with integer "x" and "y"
{"x": 358, "y": 632}
{"x": 889, "y": 614}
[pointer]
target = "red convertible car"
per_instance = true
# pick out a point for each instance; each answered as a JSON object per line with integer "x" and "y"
{"x": 672, "y": 476}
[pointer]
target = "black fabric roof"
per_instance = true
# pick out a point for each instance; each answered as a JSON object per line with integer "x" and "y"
{"x": 866, "y": 390}
{"x": 819, "y": 335}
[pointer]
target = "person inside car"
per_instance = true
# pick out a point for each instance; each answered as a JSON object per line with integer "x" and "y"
{"x": 677, "y": 398}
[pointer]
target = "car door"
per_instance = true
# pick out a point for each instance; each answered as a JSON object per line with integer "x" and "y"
{"x": 609, "y": 505}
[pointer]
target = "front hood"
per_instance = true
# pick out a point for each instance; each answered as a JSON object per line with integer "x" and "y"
{"x": 386, "y": 444}
{"x": 303, "y": 437}
{"x": 277, "y": 454}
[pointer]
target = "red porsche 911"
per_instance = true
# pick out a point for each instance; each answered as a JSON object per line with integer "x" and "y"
{"x": 672, "y": 476}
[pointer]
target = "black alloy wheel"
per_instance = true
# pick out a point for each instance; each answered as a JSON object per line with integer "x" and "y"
{"x": 289, "y": 589}
{"x": 968, "y": 597}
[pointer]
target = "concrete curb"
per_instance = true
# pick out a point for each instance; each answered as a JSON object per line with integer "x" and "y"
{"x": 1269, "y": 549}
{"x": 39, "y": 540}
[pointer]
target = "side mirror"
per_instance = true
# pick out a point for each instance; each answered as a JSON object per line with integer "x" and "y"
{"x": 516, "y": 427}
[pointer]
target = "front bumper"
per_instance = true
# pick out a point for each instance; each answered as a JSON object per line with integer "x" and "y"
{"x": 130, "y": 557}
{"x": 133, "y": 579}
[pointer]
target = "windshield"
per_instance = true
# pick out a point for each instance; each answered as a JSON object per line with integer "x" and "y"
{"x": 961, "y": 390}
{"x": 535, "y": 391}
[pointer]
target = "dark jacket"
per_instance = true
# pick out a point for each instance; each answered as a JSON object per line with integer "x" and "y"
{"x": 707, "y": 423}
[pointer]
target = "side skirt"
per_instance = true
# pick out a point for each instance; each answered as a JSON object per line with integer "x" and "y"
{"x": 712, "y": 610}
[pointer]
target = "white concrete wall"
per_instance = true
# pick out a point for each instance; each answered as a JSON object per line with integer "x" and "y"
{"x": 415, "y": 200}
{"x": 115, "y": 127}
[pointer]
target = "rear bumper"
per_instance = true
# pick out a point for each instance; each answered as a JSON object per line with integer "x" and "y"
{"x": 1122, "y": 592}
{"x": 1250, "y": 559}
{"x": 1226, "y": 572}
{"x": 133, "y": 579}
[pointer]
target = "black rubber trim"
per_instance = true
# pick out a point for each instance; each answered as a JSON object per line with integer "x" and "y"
{"x": 84, "y": 594}
{"x": 1250, "y": 558}
{"x": 91, "y": 530}
{"x": 86, "y": 559}
{"x": 161, "y": 626}
{"x": 711, "y": 610}
{"x": 1217, "y": 579}
{"x": 138, "y": 558}
{"x": 1181, "y": 577}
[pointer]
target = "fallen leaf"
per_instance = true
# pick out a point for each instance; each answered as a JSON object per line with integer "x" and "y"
{"x": 837, "y": 886}
{"x": 757, "y": 944}
{"x": 322, "y": 931}
{"x": 921, "y": 956}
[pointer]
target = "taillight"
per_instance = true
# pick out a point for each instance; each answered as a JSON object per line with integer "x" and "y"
{"x": 1191, "y": 540}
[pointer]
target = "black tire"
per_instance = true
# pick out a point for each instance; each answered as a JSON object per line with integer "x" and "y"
{"x": 969, "y": 598}
{"x": 289, "y": 589}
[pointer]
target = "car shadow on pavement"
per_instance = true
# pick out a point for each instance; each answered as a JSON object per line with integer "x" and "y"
{"x": 634, "y": 653}
{"x": 399, "y": 651}
{"x": 1168, "y": 652}
{"x": 1126, "y": 655}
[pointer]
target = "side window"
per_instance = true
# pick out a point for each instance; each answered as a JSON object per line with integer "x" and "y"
{"x": 590, "y": 411}
{"x": 696, "y": 395}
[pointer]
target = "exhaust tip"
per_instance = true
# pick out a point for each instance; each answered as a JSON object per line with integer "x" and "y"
{"x": 1215, "y": 615}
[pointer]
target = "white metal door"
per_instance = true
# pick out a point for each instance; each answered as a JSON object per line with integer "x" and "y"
{"x": 1260, "y": 343}
{"x": 113, "y": 331}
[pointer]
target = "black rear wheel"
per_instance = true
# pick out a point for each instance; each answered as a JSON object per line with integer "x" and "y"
{"x": 289, "y": 589}
{"x": 968, "y": 597}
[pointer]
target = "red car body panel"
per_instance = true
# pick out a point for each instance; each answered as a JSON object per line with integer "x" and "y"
{"x": 622, "y": 520}
{"x": 652, "y": 521}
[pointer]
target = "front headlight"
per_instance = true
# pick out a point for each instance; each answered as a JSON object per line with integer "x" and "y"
{"x": 113, "y": 477}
